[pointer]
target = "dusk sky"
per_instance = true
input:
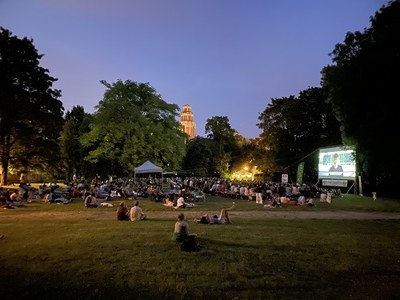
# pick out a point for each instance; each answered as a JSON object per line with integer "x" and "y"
{"x": 222, "y": 57}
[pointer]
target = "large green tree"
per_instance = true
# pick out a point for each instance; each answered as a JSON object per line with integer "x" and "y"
{"x": 133, "y": 124}
{"x": 31, "y": 115}
{"x": 363, "y": 85}
{"x": 293, "y": 127}
{"x": 224, "y": 143}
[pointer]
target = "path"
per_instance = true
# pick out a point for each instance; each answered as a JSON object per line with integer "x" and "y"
{"x": 107, "y": 214}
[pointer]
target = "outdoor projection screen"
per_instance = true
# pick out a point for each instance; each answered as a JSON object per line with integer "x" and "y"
{"x": 346, "y": 165}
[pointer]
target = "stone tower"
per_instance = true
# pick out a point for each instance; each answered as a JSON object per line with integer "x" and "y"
{"x": 187, "y": 121}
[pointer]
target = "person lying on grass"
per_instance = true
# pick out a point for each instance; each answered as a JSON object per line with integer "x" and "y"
{"x": 92, "y": 202}
{"x": 223, "y": 217}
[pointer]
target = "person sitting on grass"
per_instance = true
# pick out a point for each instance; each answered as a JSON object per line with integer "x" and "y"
{"x": 53, "y": 197}
{"x": 274, "y": 203}
{"x": 310, "y": 202}
{"x": 91, "y": 201}
{"x": 181, "y": 235}
{"x": 15, "y": 199}
{"x": 5, "y": 199}
{"x": 181, "y": 203}
{"x": 136, "y": 213}
{"x": 223, "y": 217}
{"x": 168, "y": 202}
{"x": 122, "y": 212}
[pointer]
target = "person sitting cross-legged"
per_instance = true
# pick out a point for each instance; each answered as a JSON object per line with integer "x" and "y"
{"x": 122, "y": 212}
{"x": 136, "y": 213}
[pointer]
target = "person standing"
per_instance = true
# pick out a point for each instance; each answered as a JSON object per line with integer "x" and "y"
{"x": 136, "y": 213}
{"x": 258, "y": 190}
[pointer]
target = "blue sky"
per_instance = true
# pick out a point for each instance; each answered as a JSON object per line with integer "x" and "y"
{"x": 223, "y": 57}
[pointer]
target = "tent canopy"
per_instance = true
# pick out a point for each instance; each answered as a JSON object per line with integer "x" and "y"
{"x": 148, "y": 167}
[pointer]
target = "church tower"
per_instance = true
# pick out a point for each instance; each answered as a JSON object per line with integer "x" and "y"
{"x": 187, "y": 121}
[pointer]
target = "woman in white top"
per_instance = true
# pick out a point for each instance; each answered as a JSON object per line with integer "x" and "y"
{"x": 181, "y": 202}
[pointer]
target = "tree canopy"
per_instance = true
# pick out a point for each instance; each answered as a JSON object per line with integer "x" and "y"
{"x": 133, "y": 124}
{"x": 31, "y": 115}
{"x": 224, "y": 143}
{"x": 293, "y": 127}
{"x": 363, "y": 85}
{"x": 199, "y": 157}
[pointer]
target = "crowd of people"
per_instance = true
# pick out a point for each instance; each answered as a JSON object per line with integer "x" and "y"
{"x": 17, "y": 197}
{"x": 180, "y": 193}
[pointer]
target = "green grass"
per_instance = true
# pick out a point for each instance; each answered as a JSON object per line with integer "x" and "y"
{"x": 87, "y": 254}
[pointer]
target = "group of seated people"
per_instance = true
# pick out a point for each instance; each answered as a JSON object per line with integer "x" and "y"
{"x": 134, "y": 214}
{"x": 10, "y": 200}
{"x": 278, "y": 201}
{"x": 17, "y": 197}
{"x": 177, "y": 202}
{"x": 54, "y": 195}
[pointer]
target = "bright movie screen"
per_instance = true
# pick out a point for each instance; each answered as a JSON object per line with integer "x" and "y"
{"x": 336, "y": 163}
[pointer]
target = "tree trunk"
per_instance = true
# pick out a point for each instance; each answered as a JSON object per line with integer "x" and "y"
{"x": 5, "y": 158}
{"x": 4, "y": 172}
{"x": 1, "y": 176}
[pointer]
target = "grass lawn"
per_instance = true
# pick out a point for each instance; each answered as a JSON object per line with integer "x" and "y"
{"x": 50, "y": 251}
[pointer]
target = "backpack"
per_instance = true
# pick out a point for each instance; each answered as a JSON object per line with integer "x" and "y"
{"x": 190, "y": 244}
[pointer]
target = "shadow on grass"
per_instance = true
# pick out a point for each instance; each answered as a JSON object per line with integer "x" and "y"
{"x": 213, "y": 244}
{"x": 20, "y": 283}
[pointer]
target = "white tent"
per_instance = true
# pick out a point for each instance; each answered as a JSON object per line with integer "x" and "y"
{"x": 148, "y": 168}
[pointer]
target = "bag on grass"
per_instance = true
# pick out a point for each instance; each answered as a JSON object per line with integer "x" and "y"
{"x": 190, "y": 244}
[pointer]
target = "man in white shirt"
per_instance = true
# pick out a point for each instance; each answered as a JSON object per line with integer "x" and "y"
{"x": 136, "y": 213}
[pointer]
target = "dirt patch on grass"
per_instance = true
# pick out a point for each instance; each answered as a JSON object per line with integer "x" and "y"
{"x": 108, "y": 214}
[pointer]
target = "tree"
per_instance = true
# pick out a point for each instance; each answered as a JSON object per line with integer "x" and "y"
{"x": 133, "y": 124}
{"x": 294, "y": 127}
{"x": 72, "y": 152}
{"x": 198, "y": 160}
{"x": 255, "y": 155}
{"x": 30, "y": 112}
{"x": 363, "y": 84}
{"x": 224, "y": 142}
